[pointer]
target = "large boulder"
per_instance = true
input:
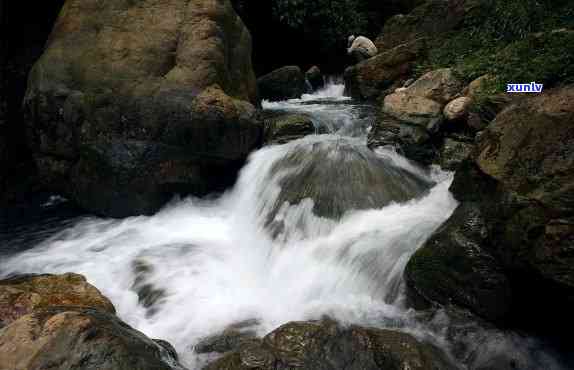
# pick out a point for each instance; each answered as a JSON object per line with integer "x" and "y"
{"x": 22, "y": 295}
{"x": 281, "y": 84}
{"x": 381, "y": 74}
{"x": 308, "y": 168}
{"x": 453, "y": 267}
{"x": 516, "y": 221}
{"x": 324, "y": 345}
{"x": 80, "y": 338}
{"x": 175, "y": 76}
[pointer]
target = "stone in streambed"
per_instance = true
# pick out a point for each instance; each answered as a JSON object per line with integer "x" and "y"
{"x": 325, "y": 345}
{"x": 339, "y": 175}
{"x": 287, "y": 127}
{"x": 281, "y": 84}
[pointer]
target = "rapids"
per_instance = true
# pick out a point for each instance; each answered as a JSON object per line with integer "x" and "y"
{"x": 213, "y": 263}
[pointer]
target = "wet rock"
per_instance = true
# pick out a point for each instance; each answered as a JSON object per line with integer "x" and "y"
{"x": 453, "y": 267}
{"x": 324, "y": 345}
{"x": 281, "y": 84}
{"x": 383, "y": 73}
{"x": 414, "y": 109}
{"x": 315, "y": 78}
{"x": 21, "y": 295}
{"x": 79, "y": 338}
{"x": 122, "y": 167}
{"x": 187, "y": 82}
{"x": 148, "y": 295}
{"x": 412, "y": 141}
{"x": 288, "y": 127}
{"x": 457, "y": 109}
{"x": 309, "y": 168}
{"x": 453, "y": 152}
{"x": 232, "y": 338}
{"x": 518, "y": 188}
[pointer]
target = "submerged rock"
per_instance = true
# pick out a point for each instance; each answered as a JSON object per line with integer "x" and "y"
{"x": 80, "y": 338}
{"x": 281, "y": 84}
{"x": 21, "y": 295}
{"x": 340, "y": 175}
{"x": 287, "y": 127}
{"x": 325, "y": 345}
{"x": 184, "y": 88}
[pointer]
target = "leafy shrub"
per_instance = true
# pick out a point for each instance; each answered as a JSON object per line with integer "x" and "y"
{"x": 513, "y": 40}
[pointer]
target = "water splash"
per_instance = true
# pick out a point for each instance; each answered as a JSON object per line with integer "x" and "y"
{"x": 207, "y": 264}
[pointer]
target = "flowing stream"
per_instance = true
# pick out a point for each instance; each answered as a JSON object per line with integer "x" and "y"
{"x": 201, "y": 265}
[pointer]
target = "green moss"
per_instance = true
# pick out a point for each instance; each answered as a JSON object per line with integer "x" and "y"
{"x": 513, "y": 40}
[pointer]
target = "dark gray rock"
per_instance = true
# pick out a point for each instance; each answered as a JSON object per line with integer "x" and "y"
{"x": 453, "y": 267}
{"x": 281, "y": 84}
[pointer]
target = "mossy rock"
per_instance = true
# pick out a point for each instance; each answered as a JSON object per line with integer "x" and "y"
{"x": 325, "y": 345}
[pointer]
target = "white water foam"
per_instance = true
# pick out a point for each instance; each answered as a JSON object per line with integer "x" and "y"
{"x": 218, "y": 266}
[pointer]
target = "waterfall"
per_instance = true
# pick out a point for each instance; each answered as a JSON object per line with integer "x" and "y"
{"x": 214, "y": 262}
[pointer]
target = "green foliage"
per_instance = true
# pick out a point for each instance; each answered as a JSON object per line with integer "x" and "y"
{"x": 512, "y": 40}
{"x": 328, "y": 20}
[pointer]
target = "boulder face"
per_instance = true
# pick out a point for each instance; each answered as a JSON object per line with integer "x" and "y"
{"x": 175, "y": 76}
{"x": 454, "y": 268}
{"x": 357, "y": 169}
{"x": 440, "y": 85}
{"x": 21, "y": 295}
{"x": 381, "y": 74}
{"x": 412, "y": 141}
{"x": 413, "y": 109}
{"x": 325, "y": 345}
{"x": 520, "y": 182}
{"x": 80, "y": 338}
{"x": 281, "y": 84}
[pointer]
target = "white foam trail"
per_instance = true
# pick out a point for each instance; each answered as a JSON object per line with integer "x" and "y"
{"x": 218, "y": 266}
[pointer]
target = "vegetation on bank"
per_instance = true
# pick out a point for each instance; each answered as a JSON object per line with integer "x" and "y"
{"x": 513, "y": 40}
